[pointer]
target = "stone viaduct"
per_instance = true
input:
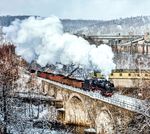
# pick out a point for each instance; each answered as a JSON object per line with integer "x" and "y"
{"x": 104, "y": 114}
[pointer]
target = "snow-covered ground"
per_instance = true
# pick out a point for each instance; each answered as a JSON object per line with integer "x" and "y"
{"x": 23, "y": 115}
{"x": 39, "y": 131}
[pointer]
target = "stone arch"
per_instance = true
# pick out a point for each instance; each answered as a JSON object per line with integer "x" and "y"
{"x": 75, "y": 111}
{"x": 76, "y": 96}
{"x": 104, "y": 122}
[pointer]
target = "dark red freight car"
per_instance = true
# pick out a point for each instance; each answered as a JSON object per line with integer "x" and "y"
{"x": 105, "y": 87}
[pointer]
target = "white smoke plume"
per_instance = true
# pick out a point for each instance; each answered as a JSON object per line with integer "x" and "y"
{"x": 45, "y": 41}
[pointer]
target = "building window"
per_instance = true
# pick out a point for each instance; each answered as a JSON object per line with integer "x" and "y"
{"x": 120, "y": 74}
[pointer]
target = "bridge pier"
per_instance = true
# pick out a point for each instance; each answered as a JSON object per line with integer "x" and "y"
{"x": 76, "y": 111}
{"x": 61, "y": 115}
{"x": 104, "y": 121}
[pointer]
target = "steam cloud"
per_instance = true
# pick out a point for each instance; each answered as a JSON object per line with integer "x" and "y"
{"x": 43, "y": 40}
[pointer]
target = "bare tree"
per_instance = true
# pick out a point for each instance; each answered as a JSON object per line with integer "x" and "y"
{"x": 141, "y": 122}
{"x": 8, "y": 74}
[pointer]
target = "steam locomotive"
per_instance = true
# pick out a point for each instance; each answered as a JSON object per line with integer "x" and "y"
{"x": 103, "y": 86}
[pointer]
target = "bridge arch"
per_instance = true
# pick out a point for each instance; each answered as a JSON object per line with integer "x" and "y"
{"x": 76, "y": 113}
{"x": 75, "y": 95}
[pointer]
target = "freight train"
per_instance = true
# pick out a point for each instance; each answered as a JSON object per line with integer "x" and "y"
{"x": 103, "y": 86}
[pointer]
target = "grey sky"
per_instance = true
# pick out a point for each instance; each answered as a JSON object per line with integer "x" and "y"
{"x": 76, "y": 9}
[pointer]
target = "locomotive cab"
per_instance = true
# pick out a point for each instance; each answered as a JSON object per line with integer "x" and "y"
{"x": 32, "y": 71}
{"x": 86, "y": 85}
{"x": 94, "y": 83}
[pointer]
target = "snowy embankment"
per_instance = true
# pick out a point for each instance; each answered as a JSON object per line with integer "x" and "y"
{"x": 24, "y": 83}
{"x": 26, "y": 114}
{"x": 119, "y": 100}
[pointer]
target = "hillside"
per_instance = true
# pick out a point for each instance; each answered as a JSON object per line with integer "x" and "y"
{"x": 134, "y": 25}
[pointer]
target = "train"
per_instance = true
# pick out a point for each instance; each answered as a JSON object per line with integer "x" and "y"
{"x": 103, "y": 86}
